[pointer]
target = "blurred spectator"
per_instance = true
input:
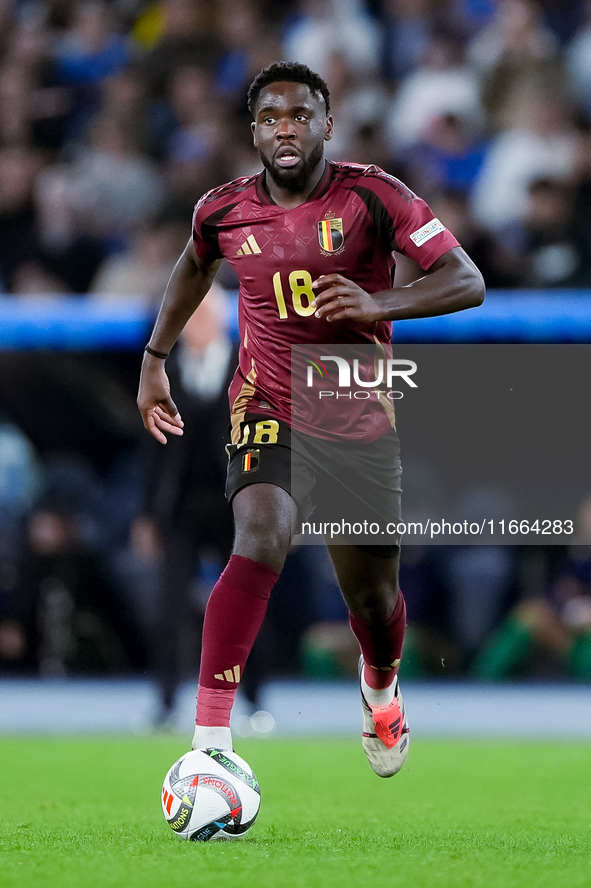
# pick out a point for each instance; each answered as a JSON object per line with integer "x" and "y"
{"x": 357, "y": 104}
{"x": 467, "y": 17}
{"x": 91, "y": 49}
{"x": 34, "y": 106}
{"x": 88, "y": 52}
{"x": 19, "y": 165}
{"x": 518, "y": 30}
{"x": 515, "y": 50}
{"x": 540, "y": 142}
{"x": 7, "y": 19}
{"x": 32, "y": 279}
{"x": 197, "y": 135}
{"x": 198, "y": 131}
{"x": 441, "y": 85}
{"x": 498, "y": 260}
{"x": 175, "y": 32}
{"x": 564, "y": 17}
{"x": 578, "y": 61}
{"x": 333, "y": 26}
{"x": 115, "y": 188}
{"x": 448, "y": 158}
{"x": 124, "y": 97}
{"x": 240, "y": 28}
{"x": 46, "y": 249}
{"x": 65, "y": 252}
{"x": 15, "y": 92}
{"x": 555, "y": 251}
{"x": 407, "y": 29}
{"x": 144, "y": 269}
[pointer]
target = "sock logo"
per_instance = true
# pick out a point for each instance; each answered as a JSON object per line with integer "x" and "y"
{"x": 229, "y": 675}
{"x": 393, "y": 665}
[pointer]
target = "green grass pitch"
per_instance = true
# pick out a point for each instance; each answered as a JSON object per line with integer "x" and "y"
{"x": 461, "y": 814}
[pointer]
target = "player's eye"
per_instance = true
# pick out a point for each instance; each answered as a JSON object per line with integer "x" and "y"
{"x": 300, "y": 117}
{"x": 269, "y": 120}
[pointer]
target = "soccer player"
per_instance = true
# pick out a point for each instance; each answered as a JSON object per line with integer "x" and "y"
{"x": 313, "y": 245}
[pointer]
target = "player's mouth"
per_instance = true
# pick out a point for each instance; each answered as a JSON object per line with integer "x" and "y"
{"x": 287, "y": 159}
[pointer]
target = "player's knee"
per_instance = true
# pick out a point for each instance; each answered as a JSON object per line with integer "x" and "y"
{"x": 373, "y": 602}
{"x": 261, "y": 543}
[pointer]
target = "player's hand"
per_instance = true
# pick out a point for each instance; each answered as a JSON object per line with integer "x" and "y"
{"x": 159, "y": 412}
{"x": 338, "y": 299}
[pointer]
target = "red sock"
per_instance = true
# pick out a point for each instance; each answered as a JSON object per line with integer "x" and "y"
{"x": 234, "y": 614}
{"x": 381, "y": 645}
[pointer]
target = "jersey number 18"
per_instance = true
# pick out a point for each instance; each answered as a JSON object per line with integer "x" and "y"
{"x": 302, "y": 294}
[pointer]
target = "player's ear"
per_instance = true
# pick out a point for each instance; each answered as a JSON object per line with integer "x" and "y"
{"x": 329, "y": 127}
{"x": 253, "y": 129}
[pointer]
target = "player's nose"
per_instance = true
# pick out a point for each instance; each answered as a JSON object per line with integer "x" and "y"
{"x": 285, "y": 130}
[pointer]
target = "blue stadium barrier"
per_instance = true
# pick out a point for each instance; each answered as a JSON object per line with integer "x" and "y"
{"x": 509, "y": 316}
{"x": 83, "y": 323}
{"x": 73, "y": 323}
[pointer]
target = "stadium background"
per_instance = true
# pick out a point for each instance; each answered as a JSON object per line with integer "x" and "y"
{"x": 114, "y": 118}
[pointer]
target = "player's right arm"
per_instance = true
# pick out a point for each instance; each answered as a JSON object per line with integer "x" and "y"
{"x": 189, "y": 282}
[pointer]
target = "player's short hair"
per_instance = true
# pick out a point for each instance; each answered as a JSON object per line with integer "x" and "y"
{"x": 292, "y": 72}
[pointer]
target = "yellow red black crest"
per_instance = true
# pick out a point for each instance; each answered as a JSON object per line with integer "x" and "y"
{"x": 250, "y": 461}
{"x": 331, "y": 236}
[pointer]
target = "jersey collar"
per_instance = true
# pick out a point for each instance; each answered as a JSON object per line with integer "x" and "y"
{"x": 321, "y": 187}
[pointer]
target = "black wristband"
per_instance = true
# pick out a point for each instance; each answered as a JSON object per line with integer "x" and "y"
{"x": 163, "y": 356}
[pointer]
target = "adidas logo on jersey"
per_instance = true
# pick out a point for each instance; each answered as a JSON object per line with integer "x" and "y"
{"x": 249, "y": 247}
{"x": 229, "y": 675}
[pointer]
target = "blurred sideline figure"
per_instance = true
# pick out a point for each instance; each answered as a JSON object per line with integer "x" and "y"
{"x": 186, "y": 521}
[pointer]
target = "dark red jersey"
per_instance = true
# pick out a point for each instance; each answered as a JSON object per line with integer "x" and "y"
{"x": 351, "y": 224}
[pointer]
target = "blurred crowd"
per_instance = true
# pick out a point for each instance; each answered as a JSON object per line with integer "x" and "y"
{"x": 116, "y": 115}
{"x": 114, "y": 118}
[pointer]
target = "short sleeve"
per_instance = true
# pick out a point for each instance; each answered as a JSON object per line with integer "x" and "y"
{"x": 205, "y": 238}
{"x": 412, "y": 228}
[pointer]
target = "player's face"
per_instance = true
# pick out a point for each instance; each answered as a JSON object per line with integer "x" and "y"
{"x": 289, "y": 130}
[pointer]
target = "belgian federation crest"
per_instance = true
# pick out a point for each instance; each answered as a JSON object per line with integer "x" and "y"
{"x": 331, "y": 236}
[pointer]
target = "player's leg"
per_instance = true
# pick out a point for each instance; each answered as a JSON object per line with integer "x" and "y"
{"x": 369, "y": 583}
{"x": 263, "y": 515}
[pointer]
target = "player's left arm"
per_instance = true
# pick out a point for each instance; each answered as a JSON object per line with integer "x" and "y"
{"x": 450, "y": 284}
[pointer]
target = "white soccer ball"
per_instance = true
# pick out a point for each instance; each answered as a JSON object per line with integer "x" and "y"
{"x": 210, "y": 794}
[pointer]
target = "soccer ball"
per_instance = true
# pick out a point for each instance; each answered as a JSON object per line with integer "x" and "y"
{"x": 210, "y": 794}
